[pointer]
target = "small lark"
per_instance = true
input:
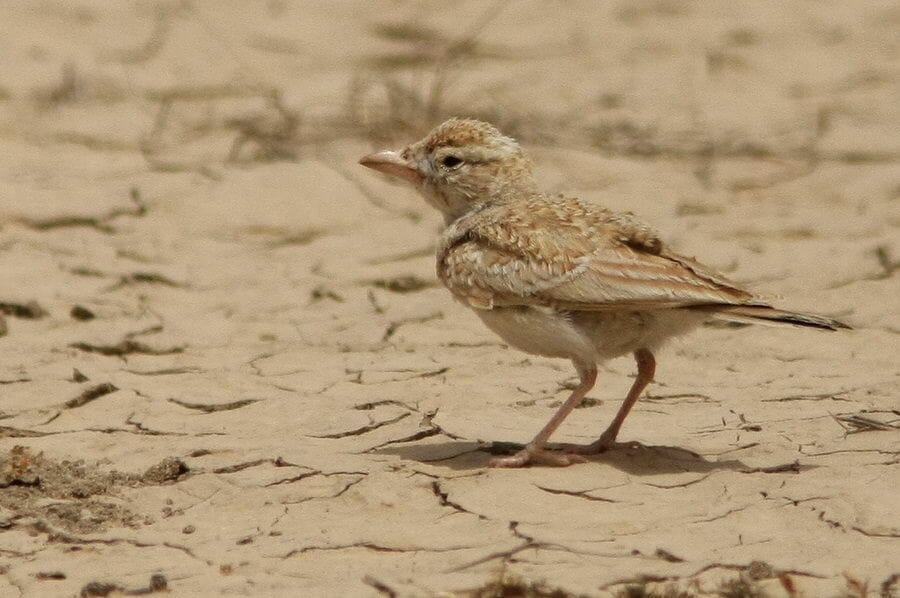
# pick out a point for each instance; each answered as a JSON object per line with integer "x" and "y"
{"x": 557, "y": 277}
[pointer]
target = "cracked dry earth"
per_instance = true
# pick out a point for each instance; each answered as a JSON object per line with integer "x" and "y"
{"x": 226, "y": 368}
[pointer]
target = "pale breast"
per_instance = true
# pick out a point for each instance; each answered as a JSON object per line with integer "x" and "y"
{"x": 539, "y": 331}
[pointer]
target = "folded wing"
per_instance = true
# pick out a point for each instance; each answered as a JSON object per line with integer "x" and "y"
{"x": 567, "y": 255}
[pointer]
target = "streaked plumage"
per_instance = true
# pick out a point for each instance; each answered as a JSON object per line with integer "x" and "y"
{"x": 554, "y": 276}
{"x": 559, "y": 252}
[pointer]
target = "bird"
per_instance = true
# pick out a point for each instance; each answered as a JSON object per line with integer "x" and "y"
{"x": 559, "y": 277}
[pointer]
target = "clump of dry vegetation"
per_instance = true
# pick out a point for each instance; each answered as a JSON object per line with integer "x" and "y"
{"x": 408, "y": 91}
{"x": 47, "y": 495}
{"x": 508, "y": 585}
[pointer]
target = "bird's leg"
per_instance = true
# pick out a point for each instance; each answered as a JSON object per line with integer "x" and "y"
{"x": 646, "y": 369}
{"x": 534, "y": 451}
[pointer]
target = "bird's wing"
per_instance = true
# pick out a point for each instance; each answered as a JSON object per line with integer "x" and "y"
{"x": 564, "y": 254}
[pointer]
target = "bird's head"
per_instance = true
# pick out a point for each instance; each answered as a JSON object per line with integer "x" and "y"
{"x": 460, "y": 164}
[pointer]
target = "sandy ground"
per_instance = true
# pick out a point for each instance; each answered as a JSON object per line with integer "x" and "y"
{"x": 226, "y": 368}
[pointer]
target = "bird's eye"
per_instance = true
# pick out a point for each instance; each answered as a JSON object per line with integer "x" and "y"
{"x": 451, "y": 161}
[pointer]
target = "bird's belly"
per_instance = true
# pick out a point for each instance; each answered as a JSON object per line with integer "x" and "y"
{"x": 615, "y": 333}
{"x": 588, "y": 336}
{"x": 540, "y": 331}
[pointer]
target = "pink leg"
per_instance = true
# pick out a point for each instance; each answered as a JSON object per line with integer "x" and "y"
{"x": 534, "y": 451}
{"x": 646, "y": 369}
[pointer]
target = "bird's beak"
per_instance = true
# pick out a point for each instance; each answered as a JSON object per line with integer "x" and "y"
{"x": 392, "y": 163}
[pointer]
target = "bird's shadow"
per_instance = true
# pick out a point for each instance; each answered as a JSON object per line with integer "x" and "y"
{"x": 633, "y": 458}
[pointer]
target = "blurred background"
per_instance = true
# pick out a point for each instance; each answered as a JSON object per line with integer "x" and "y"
{"x": 193, "y": 84}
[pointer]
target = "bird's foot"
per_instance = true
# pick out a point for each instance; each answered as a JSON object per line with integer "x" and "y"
{"x": 535, "y": 456}
{"x": 606, "y": 442}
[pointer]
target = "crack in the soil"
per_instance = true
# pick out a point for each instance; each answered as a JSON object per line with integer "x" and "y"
{"x": 339, "y": 493}
{"x": 138, "y": 429}
{"x": 723, "y": 515}
{"x": 394, "y": 326}
{"x": 255, "y": 367}
{"x": 214, "y": 407}
{"x": 296, "y": 478}
{"x": 141, "y": 429}
{"x": 125, "y": 347}
{"x": 411, "y": 438}
{"x": 409, "y": 283}
{"x": 794, "y": 501}
{"x": 90, "y": 394}
{"x": 684, "y": 395}
{"x": 840, "y": 451}
{"x": 347, "y": 486}
{"x": 370, "y": 546}
{"x": 324, "y": 474}
{"x": 364, "y": 429}
{"x": 665, "y": 555}
{"x": 505, "y": 555}
{"x": 740, "y": 447}
{"x": 26, "y": 311}
{"x": 394, "y": 402}
{"x": 99, "y": 223}
{"x": 55, "y": 535}
{"x": 528, "y": 542}
{"x": 427, "y": 419}
{"x": 443, "y": 495}
{"x": 10, "y": 432}
{"x": 166, "y": 371}
{"x": 868, "y": 533}
{"x": 357, "y": 375}
{"x": 872, "y": 534}
{"x": 14, "y": 381}
{"x": 514, "y": 528}
{"x": 583, "y": 494}
{"x": 793, "y": 467}
{"x": 277, "y": 462}
{"x": 823, "y": 396}
{"x": 680, "y": 485}
{"x": 145, "y": 278}
{"x": 379, "y": 586}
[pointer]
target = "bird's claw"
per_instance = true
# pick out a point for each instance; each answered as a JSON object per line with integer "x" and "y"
{"x": 600, "y": 446}
{"x": 534, "y": 456}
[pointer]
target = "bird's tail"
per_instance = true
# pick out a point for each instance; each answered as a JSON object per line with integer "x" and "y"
{"x": 762, "y": 314}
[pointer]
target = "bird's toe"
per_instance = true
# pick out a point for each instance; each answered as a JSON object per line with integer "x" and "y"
{"x": 533, "y": 456}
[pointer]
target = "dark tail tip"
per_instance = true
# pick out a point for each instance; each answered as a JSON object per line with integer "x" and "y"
{"x": 811, "y": 321}
{"x": 762, "y": 313}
